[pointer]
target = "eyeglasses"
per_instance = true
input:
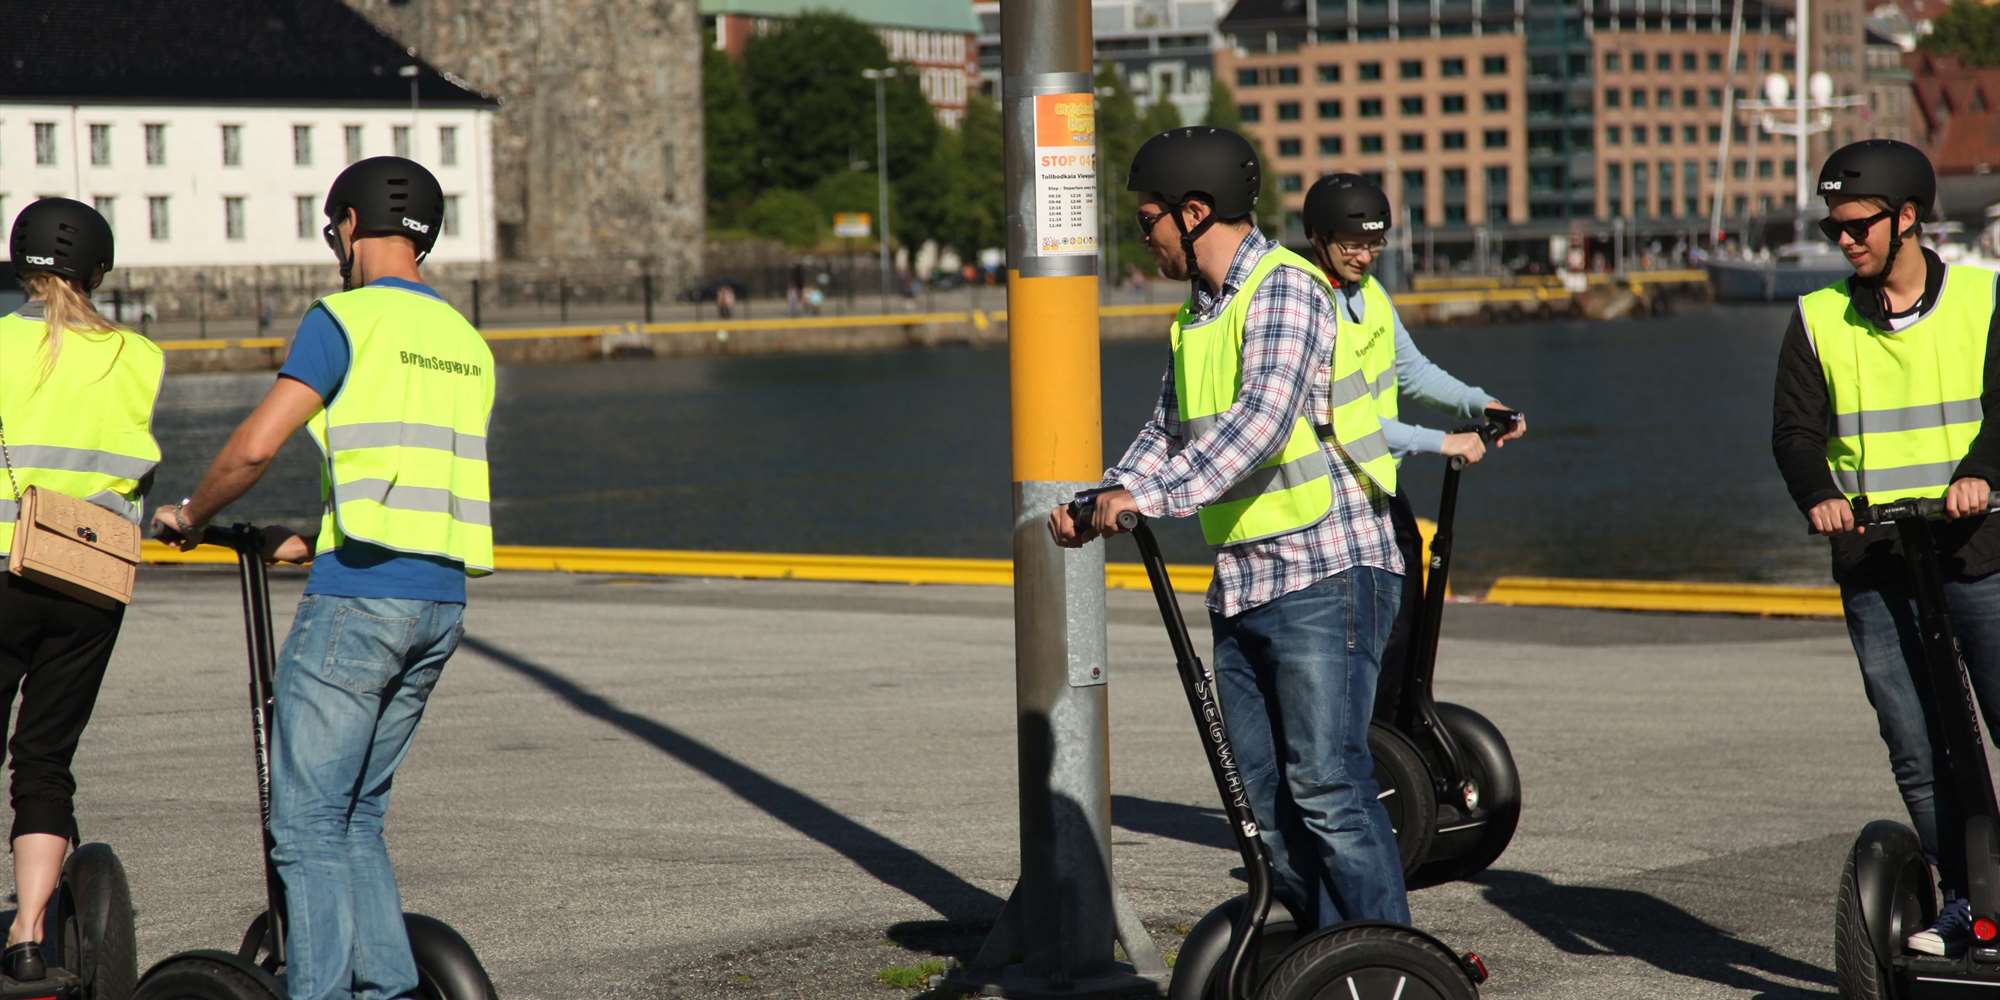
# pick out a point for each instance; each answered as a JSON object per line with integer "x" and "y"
{"x": 1856, "y": 229}
{"x": 1357, "y": 249}
{"x": 332, "y": 234}
{"x": 1147, "y": 220}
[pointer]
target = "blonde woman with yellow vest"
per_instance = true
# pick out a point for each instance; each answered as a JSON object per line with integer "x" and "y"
{"x": 1293, "y": 493}
{"x": 76, "y": 416}
{"x": 397, "y": 389}
{"x": 1886, "y": 389}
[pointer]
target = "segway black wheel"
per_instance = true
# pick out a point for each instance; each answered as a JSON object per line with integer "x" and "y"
{"x": 1464, "y": 849}
{"x": 1198, "y": 965}
{"x": 1368, "y": 963}
{"x": 1885, "y": 896}
{"x": 195, "y": 977}
{"x": 90, "y": 924}
{"x": 1403, "y": 786}
{"x": 447, "y": 967}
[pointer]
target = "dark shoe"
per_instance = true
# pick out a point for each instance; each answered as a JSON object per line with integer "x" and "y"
{"x": 23, "y": 962}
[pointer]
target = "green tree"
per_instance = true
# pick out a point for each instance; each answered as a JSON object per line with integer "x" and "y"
{"x": 786, "y": 215}
{"x": 815, "y": 113}
{"x": 1160, "y": 117}
{"x": 729, "y": 136}
{"x": 1968, "y": 30}
{"x": 1222, "y": 113}
{"x": 847, "y": 191}
{"x": 1221, "y": 107}
{"x": 1120, "y": 133}
{"x": 983, "y": 169}
{"x": 932, "y": 202}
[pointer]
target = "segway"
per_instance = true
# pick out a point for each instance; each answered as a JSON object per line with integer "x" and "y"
{"x": 1250, "y": 948}
{"x": 88, "y": 941}
{"x": 1447, "y": 778}
{"x": 447, "y": 967}
{"x": 1886, "y": 890}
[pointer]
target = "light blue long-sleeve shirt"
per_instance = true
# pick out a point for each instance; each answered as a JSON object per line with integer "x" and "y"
{"x": 1417, "y": 377}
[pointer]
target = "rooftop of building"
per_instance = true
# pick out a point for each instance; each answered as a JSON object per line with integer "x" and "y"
{"x": 953, "y": 16}
{"x": 215, "y": 51}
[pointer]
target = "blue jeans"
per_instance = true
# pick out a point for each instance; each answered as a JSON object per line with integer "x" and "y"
{"x": 1299, "y": 673}
{"x": 352, "y": 682}
{"x": 1882, "y": 622}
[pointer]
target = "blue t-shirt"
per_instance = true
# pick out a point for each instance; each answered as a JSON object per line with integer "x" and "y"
{"x": 319, "y": 358}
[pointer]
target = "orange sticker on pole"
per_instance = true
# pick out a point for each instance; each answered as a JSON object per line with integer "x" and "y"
{"x": 1065, "y": 174}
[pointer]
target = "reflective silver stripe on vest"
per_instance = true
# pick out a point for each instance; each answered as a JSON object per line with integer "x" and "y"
{"x": 1908, "y": 418}
{"x": 1355, "y": 385}
{"x": 1277, "y": 478}
{"x": 423, "y": 499}
{"x": 1906, "y": 477}
{"x": 390, "y": 434}
{"x": 1366, "y": 448}
{"x": 46, "y": 456}
{"x": 11, "y": 511}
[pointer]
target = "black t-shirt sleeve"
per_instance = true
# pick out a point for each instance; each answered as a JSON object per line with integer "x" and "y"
{"x": 1800, "y": 417}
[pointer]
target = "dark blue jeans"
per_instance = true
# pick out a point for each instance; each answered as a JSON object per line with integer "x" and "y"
{"x": 1882, "y": 622}
{"x": 1298, "y": 675}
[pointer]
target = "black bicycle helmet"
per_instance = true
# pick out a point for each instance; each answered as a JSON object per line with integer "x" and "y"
{"x": 62, "y": 237}
{"x": 1346, "y": 206}
{"x": 1881, "y": 168}
{"x": 1198, "y": 162}
{"x": 390, "y": 196}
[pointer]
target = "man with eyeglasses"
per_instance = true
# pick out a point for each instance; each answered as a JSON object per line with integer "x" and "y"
{"x": 1293, "y": 495}
{"x": 397, "y": 390}
{"x": 1347, "y": 218}
{"x": 1886, "y": 390}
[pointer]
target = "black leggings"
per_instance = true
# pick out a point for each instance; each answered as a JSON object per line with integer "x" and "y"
{"x": 53, "y": 649}
{"x": 1396, "y": 654}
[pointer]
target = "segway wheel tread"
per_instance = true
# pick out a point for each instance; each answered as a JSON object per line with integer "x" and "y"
{"x": 1859, "y": 971}
{"x": 1403, "y": 786}
{"x": 193, "y": 977}
{"x": 1368, "y": 963}
{"x": 1492, "y": 764}
{"x": 97, "y": 930}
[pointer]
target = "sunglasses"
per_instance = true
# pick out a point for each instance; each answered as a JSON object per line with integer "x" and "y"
{"x": 1147, "y": 220}
{"x": 1856, "y": 229}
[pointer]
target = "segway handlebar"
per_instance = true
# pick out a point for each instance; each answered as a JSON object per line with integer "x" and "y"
{"x": 1083, "y": 510}
{"x": 1928, "y": 508}
{"x": 1498, "y": 424}
{"x": 241, "y": 537}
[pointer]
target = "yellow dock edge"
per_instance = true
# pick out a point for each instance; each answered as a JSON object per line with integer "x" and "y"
{"x": 1635, "y": 595}
{"x": 1523, "y": 591}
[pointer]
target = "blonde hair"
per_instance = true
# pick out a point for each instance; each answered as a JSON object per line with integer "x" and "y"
{"x": 64, "y": 307}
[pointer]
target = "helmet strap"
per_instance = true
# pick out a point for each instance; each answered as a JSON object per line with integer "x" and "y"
{"x": 1188, "y": 236}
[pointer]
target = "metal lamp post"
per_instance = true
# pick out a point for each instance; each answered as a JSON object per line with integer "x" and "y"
{"x": 882, "y": 170}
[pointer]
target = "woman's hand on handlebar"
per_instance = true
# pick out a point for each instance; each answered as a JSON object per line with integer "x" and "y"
{"x": 282, "y": 544}
{"x": 1967, "y": 498}
{"x": 1833, "y": 517}
{"x": 1465, "y": 445}
{"x": 1520, "y": 423}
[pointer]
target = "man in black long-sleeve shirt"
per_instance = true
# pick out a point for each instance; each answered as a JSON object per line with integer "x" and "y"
{"x": 1887, "y": 389}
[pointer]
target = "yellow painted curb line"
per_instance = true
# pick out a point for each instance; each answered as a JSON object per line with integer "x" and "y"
{"x": 1633, "y": 595}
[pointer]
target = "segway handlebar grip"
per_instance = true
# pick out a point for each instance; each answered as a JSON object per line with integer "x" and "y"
{"x": 1083, "y": 510}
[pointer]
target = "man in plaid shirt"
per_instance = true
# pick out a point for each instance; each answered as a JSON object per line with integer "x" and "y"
{"x": 1307, "y": 572}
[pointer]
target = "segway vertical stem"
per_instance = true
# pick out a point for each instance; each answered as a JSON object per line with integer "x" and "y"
{"x": 258, "y": 640}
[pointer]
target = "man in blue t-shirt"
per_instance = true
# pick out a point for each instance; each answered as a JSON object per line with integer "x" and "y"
{"x": 376, "y": 624}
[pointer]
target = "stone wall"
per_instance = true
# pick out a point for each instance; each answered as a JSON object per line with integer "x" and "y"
{"x": 598, "y": 143}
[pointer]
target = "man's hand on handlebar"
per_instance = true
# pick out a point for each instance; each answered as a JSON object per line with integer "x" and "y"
{"x": 1110, "y": 504}
{"x": 1966, "y": 498}
{"x": 1833, "y": 517}
{"x": 170, "y": 525}
{"x": 1066, "y": 531}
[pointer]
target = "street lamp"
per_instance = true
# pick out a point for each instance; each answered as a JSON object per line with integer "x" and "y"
{"x": 882, "y": 169}
{"x": 409, "y": 71}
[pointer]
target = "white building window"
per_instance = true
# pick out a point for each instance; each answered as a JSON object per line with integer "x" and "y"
{"x": 232, "y": 145}
{"x": 106, "y": 206}
{"x": 100, "y": 145}
{"x": 450, "y": 215}
{"x": 45, "y": 144}
{"x": 307, "y": 216}
{"x": 400, "y": 135}
{"x": 156, "y": 148}
{"x": 156, "y": 217}
{"x": 232, "y": 217}
{"x": 353, "y": 133}
{"x": 448, "y": 145}
{"x": 302, "y": 145}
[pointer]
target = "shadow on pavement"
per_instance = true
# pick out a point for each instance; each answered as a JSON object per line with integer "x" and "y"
{"x": 1600, "y": 920}
{"x": 895, "y": 865}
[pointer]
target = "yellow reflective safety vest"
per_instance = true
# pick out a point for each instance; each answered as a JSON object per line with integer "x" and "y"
{"x": 1363, "y": 390}
{"x": 86, "y": 429}
{"x": 1292, "y": 489}
{"x": 404, "y": 436}
{"x": 1905, "y": 403}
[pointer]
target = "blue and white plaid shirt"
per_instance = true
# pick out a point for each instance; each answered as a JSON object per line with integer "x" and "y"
{"x": 1287, "y": 352}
